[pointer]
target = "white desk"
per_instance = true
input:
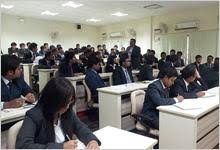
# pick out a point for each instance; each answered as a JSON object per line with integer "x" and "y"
{"x": 27, "y": 73}
{"x": 113, "y": 138}
{"x": 11, "y": 115}
{"x": 111, "y": 104}
{"x": 190, "y": 129}
{"x": 44, "y": 77}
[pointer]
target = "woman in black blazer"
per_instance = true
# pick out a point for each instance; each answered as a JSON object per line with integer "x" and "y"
{"x": 53, "y": 111}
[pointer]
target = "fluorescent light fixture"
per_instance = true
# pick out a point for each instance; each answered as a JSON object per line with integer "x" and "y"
{"x": 7, "y": 6}
{"x": 93, "y": 20}
{"x": 72, "y": 4}
{"x": 119, "y": 14}
{"x": 47, "y": 12}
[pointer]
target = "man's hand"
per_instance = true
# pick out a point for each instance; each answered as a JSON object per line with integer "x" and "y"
{"x": 16, "y": 103}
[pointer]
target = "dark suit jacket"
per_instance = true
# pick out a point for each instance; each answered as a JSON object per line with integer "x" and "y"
{"x": 179, "y": 87}
{"x": 155, "y": 96}
{"x": 198, "y": 67}
{"x": 207, "y": 66}
{"x": 135, "y": 56}
{"x": 11, "y": 51}
{"x": 65, "y": 70}
{"x": 161, "y": 64}
{"x": 211, "y": 77}
{"x": 32, "y": 134}
{"x": 19, "y": 87}
{"x": 93, "y": 81}
{"x": 179, "y": 63}
{"x": 119, "y": 77}
{"x": 146, "y": 73}
{"x": 43, "y": 64}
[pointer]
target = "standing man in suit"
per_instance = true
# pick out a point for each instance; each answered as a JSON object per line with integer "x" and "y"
{"x": 186, "y": 86}
{"x": 13, "y": 85}
{"x": 134, "y": 53}
{"x": 157, "y": 94}
{"x": 123, "y": 74}
{"x": 92, "y": 78}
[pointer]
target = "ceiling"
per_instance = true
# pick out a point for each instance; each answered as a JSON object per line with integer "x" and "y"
{"x": 96, "y": 9}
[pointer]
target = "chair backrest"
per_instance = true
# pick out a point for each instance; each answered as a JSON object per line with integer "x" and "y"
{"x": 137, "y": 100}
{"x": 88, "y": 92}
{"x": 12, "y": 135}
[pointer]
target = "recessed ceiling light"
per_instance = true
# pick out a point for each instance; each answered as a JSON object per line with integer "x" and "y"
{"x": 7, "y": 6}
{"x": 153, "y": 6}
{"x": 47, "y": 12}
{"x": 119, "y": 14}
{"x": 93, "y": 20}
{"x": 72, "y": 4}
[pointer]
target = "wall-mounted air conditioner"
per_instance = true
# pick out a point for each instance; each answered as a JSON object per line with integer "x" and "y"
{"x": 116, "y": 34}
{"x": 187, "y": 25}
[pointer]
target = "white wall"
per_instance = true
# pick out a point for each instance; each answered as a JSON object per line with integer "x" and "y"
{"x": 141, "y": 26}
{"x": 203, "y": 41}
{"x": 39, "y": 31}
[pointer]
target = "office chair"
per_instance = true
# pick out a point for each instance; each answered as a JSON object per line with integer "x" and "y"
{"x": 12, "y": 135}
{"x": 137, "y": 100}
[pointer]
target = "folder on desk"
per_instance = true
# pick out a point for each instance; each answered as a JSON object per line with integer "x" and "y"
{"x": 187, "y": 105}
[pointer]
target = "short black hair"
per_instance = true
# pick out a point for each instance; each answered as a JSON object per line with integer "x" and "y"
{"x": 179, "y": 52}
{"x": 92, "y": 60}
{"x": 58, "y": 45}
{"x": 46, "y": 44}
{"x": 98, "y": 46}
{"x": 216, "y": 64}
{"x": 123, "y": 58}
{"x": 22, "y": 44}
{"x": 163, "y": 53}
{"x": 133, "y": 40}
{"x": 42, "y": 47}
{"x": 173, "y": 50}
{"x": 188, "y": 71}
{"x": 198, "y": 56}
{"x": 153, "y": 51}
{"x": 167, "y": 72}
{"x": 9, "y": 63}
{"x": 13, "y": 43}
{"x": 210, "y": 56}
{"x": 32, "y": 46}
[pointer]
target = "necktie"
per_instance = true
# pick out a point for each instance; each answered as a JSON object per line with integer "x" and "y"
{"x": 127, "y": 76}
{"x": 9, "y": 86}
{"x": 166, "y": 91}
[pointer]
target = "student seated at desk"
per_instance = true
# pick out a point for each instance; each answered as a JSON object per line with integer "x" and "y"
{"x": 92, "y": 78}
{"x": 51, "y": 124}
{"x": 13, "y": 85}
{"x": 146, "y": 71}
{"x": 123, "y": 74}
{"x": 47, "y": 62}
{"x": 157, "y": 94}
{"x": 186, "y": 85}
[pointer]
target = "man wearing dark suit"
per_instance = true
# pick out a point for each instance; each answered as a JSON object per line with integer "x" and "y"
{"x": 180, "y": 61}
{"x": 197, "y": 63}
{"x": 162, "y": 61}
{"x": 47, "y": 62}
{"x": 13, "y": 49}
{"x": 92, "y": 78}
{"x": 123, "y": 74}
{"x": 31, "y": 53}
{"x": 171, "y": 62}
{"x": 77, "y": 49}
{"x": 208, "y": 64}
{"x": 13, "y": 85}
{"x": 146, "y": 71}
{"x": 21, "y": 51}
{"x": 157, "y": 94}
{"x": 185, "y": 85}
{"x": 134, "y": 53}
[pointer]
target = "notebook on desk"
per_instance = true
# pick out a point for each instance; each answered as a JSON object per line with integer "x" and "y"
{"x": 187, "y": 105}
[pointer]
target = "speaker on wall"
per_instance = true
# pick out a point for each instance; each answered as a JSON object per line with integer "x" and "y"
{"x": 78, "y": 26}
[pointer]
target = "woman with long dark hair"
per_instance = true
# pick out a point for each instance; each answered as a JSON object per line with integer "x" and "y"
{"x": 52, "y": 122}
